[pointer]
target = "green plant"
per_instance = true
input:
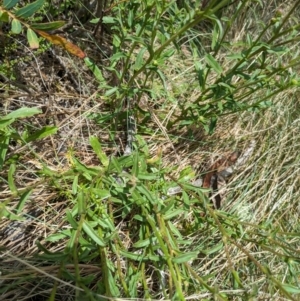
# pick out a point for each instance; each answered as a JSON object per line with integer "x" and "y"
{"x": 147, "y": 36}
{"x": 18, "y": 16}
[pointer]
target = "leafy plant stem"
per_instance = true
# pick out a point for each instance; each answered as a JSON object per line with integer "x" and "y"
{"x": 285, "y": 19}
{"x": 166, "y": 253}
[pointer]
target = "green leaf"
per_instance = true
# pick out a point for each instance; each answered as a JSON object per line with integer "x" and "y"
{"x": 111, "y": 91}
{"x": 16, "y": 26}
{"x": 75, "y": 185}
{"x": 11, "y": 182}
{"x": 10, "y": 215}
{"x": 98, "y": 150}
{"x": 108, "y": 20}
{"x": 4, "y": 16}
{"x": 215, "y": 249}
{"x": 81, "y": 198}
{"x": 29, "y": 9}
{"x": 236, "y": 280}
{"x": 139, "y": 59}
{"x": 48, "y": 26}
{"x": 8, "y": 4}
{"x": 42, "y": 133}
{"x": 106, "y": 223}
{"x": 173, "y": 213}
{"x": 117, "y": 56}
{"x": 71, "y": 220}
{"x": 201, "y": 74}
{"x": 72, "y": 239}
{"x": 114, "y": 291}
{"x": 58, "y": 236}
{"x": 185, "y": 257}
{"x": 115, "y": 165}
{"x": 92, "y": 234}
{"x": 96, "y": 71}
{"x": 101, "y": 194}
{"x": 23, "y": 112}
{"x": 4, "y": 141}
{"x": 116, "y": 41}
{"x": 162, "y": 78}
{"x": 88, "y": 172}
{"x": 23, "y": 199}
{"x": 33, "y": 39}
{"x": 142, "y": 243}
{"x": 291, "y": 289}
{"x": 95, "y": 21}
{"x": 213, "y": 63}
{"x": 167, "y": 54}
{"x": 145, "y": 192}
{"x": 139, "y": 257}
{"x": 5, "y": 122}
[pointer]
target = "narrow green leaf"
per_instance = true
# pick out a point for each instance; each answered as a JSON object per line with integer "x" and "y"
{"x": 58, "y": 236}
{"x": 96, "y": 71}
{"x": 98, "y": 150}
{"x": 173, "y": 213}
{"x": 111, "y": 91}
{"x": 185, "y": 257}
{"x": 8, "y": 4}
{"x": 92, "y": 234}
{"x": 201, "y": 74}
{"x": 144, "y": 191}
{"x": 42, "y": 133}
{"x": 136, "y": 165}
{"x": 72, "y": 239}
{"x": 134, "y": 278}
{"x": 33, "y": 39}
{"x": 81, "y": 202}
{"x": 75, "y": 185}
{"x": 23, "y": 112}
{"x": 291, "y": 289}
{"x": 24, "y": 197}
{"x": 48, "y": 26}
{"x": 211, "y": 61}
{"x": 139, "y": 257}
{"x": 106, "y": 223}
{"x": 115, "y": 165}
{"x": 217, "y": 33}
{"x": 10, "y": 215}
{"x": 88, "y": 172}
{"x": 28, "y": 10}
{"x": 215, "y": 249}
{"x": 139, "y": 59}
{"x": 236, "y": 280}
{"x": 162, "y": 78}
{"x": 71, "y": 220}
{"x": 5, "y": 122}
{"x": 116, "y": 41}
{"x": 101, "y": 194}
{"x": 11, "y": 182}
{"x": 117, "y": 56}
{"x": 142, "y": 243}
{"x": 16, "y": 26}
{"x": 167, "y": 54}
{"x": 147, "y": 176}
{"x": 114, "y": 291}
{"x": 4, "y": 141}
